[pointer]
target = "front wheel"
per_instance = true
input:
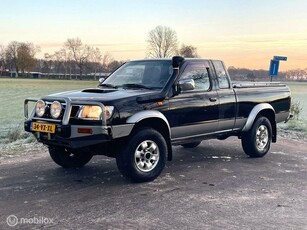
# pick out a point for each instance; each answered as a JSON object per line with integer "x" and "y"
{"x": 67, "y": 158}
{"x": 144, "y": 156}
{"x": 257, "y": 141}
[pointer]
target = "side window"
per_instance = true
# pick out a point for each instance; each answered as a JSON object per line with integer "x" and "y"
{"x": 221, "y": 75}
{"x": 199, "y": 74}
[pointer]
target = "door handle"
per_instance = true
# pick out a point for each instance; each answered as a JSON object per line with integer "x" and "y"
{"x": 213, "y": 99}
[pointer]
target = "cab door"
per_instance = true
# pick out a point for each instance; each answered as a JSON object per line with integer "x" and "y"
{"x": 194, "y": 112}
{"x": 227, "y": 98}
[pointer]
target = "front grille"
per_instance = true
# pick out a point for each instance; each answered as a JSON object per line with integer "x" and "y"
{"x": 74, "y": 111}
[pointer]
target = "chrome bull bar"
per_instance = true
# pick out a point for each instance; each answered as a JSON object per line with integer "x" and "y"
{"x": 68, "y": 104}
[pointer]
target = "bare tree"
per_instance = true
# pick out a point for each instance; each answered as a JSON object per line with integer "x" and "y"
{"x": 61, "y": 59}
{"x": 188, "y": 51}
{"x": 106, "y": 60}
{"x": 48, "y": 63}
{"x": 80, "y": 53}
{"x": 2, "y": 59}
{"x": 96, "y": 58}
{"x": 65, "y": 57}
{"x": 11, "y": 55}
{"x": 65, "y": 61}
{"x": 113, "y": 65}
{"x": 162, "y": 42}
{"x": 57, "y": 56}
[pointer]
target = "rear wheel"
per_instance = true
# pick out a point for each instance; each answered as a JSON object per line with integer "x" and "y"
{"x": 191, "y": 144}
{"x": 144, "y": 156}
{"x": 257, "y": 141}
{"x": 67, "y": 158}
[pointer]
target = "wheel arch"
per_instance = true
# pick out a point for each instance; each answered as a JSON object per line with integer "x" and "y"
{"x": 156, "y": 120}
{"x": 266, "y": 110}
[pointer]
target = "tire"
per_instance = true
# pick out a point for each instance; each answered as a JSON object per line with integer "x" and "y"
{"x": 67, "y": 159}
{"x": 257, "y": 141}
{"x": 143, "y": 157}
{"x": 191, "y": 145}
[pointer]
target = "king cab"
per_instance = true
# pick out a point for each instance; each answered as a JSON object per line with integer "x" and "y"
{"x": 146, "y": 106}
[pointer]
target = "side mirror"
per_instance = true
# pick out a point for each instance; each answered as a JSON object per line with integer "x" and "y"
{"x": 186, "y": 84}
{"x": 101, "y": 80}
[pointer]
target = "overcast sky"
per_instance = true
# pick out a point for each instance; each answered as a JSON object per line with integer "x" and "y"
{"x": 242, "y": 33}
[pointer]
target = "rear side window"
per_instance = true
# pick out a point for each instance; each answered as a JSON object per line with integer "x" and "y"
{"x": 221, "y": 75}
{"x": 199, "y": 74}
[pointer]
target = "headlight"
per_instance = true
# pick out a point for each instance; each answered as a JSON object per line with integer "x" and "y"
{"x": 90, "y": 112}
{"x": 40, "y": 108}
{"x": 94, "y": 112}
{"x": 55, "y": 109}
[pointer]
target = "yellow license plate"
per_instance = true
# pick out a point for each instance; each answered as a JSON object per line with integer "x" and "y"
{"x": 43, "y": 127}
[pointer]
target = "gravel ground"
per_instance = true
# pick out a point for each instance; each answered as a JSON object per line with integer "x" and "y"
{"x": 214, "y": 186}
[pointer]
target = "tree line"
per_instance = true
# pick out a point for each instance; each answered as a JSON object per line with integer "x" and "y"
{"x": 76, "y": 58}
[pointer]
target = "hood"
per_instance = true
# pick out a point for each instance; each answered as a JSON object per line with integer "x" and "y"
{"x": 104, "y": 95}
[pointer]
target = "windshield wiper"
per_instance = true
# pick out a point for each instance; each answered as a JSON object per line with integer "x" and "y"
{"x": 138, "y": 86}
{"x": 108, "y": 85}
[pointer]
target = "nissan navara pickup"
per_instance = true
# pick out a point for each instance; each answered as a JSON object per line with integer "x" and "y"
{"x": 146, "y": 106}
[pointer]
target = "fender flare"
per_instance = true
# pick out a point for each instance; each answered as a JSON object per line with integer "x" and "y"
{"x": 253, "y": 114}
{"x": 140, "y": 116}
{"x": 148, "y": 114}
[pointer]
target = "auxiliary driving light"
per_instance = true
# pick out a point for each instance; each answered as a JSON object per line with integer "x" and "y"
{"x": 55, "y": 109}
{"x": 40, "y": 108}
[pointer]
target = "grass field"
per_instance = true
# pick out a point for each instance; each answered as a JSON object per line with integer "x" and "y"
{"x": 14, "y": 91}
{"x": 299, "y": 94}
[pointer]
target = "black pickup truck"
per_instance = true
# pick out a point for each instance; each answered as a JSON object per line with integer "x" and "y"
{"x": 146, "y": 106}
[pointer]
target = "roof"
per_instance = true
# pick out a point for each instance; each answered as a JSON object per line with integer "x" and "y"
{"x": 170, "y": 59}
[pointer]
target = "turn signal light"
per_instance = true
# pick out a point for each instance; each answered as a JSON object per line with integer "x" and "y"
{"x": 85, "y": 131}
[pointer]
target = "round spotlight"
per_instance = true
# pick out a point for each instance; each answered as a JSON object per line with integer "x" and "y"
{"x": 55, "y": 109}
{"x": 40, "y": 108}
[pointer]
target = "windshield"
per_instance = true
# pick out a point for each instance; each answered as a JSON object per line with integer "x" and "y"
{"x": 148, "y": 74}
